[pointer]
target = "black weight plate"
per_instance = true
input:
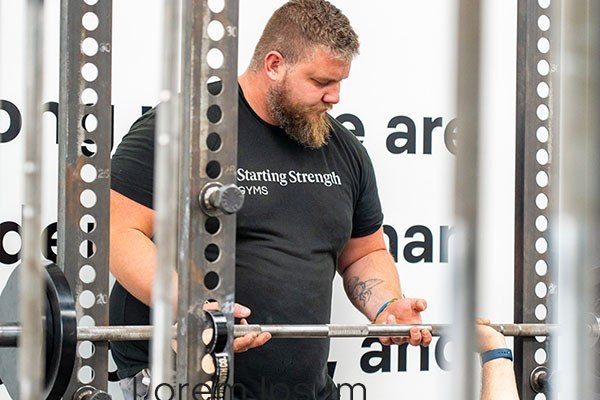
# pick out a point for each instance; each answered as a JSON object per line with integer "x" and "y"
{"x": 61, "y": 334}
{"x": 64, "y": 326}
{"x": 9, "y": 314}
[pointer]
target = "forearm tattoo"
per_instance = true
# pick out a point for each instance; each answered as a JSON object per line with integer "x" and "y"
{"x": 360, "y": 291}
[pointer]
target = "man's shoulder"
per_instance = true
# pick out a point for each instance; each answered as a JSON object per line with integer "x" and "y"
{"x": 146, "y": 122}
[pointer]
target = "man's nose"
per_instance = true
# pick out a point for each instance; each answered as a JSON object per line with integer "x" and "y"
{"x": 332, "y": 95}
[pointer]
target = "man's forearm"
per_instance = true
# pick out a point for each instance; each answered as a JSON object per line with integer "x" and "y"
{"x": 498, "y": 380}
{"x": 133, "y": 263}
{"x": 371, "y": 281}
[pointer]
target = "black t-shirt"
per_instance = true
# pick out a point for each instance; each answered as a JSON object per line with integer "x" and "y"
{"x": 301, "y": 207}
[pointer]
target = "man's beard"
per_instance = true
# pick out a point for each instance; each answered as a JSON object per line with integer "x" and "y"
{"x": 295, "y": 120}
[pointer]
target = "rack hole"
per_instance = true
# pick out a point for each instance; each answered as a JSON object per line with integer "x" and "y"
{"x": 543, "y": 45}
{"x": 211, "y": 280}
{"x": 89, "y": 47}
{"x": 88, "y": 173}
{"x": 541, "y": 245}
{"x": 540, "y": 356}
{"x": 213, "y": 169}
{"x": 213, "y": 141}
{"x": 541, "y": 290}
{"x": 85, "y": 374}
{"x": 214, "y": 114}
{"x": 541, "y": 312}
{"x": 216, "y": 6}
{"x": 87, "y": 299}
{"x": 215, "y": 30}
{"x": 89, "y": 122}
{"x": 87, "y": 249}
{"x": 86, "y": 349}
{"x": 90, "y": 21}
{"x": 544, "y": 3}
{"x": 544, "y": 22}
{"x": 87, "y": 274}
{"x": 89, "y": 72}
{"x": 208, "y": 364}
{"x": 89, "y": 148}
{"x": 542, "y": 156}
{"x": 541, "y": 201}
{"x": 541, "y": 268}
{"x": 87, "y": 223}
{"x": 211, "y": 252}
{"x": 88, "y": 198}
{"x": 543, "y": 112}
{"x": 543, "y": 90}
{"x": 543, "y": 67}
{"x": 87, "y": 321}
{"x": 541, "y": 179}
{"x": 542, "y": 134}
{"x": 212, "y": 225}
{"x": 214, "y": 85}
{"x": 541, "y": 223}
{"x": 89, "y": 97}
{"x": 215, "y": 58}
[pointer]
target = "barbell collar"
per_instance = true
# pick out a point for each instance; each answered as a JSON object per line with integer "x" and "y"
{"x": 9, "y": 335}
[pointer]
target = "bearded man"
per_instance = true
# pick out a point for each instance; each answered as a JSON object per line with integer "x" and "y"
{"x": 317, "y": 211}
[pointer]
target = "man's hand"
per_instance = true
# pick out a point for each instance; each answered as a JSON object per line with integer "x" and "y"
{"x": 405, "y": 311}
{"x": 488, "y": 337}
{"x": 248, "y": 341}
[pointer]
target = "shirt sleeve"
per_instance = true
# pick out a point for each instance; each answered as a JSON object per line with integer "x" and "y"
{"x": 132, "y": 165}
{"x": 368, "y": 216}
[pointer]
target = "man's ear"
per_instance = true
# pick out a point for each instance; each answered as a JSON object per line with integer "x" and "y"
{"x": 274, "y": 65}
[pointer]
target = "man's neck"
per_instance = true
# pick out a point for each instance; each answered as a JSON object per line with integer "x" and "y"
{"x": 255, "y": 91}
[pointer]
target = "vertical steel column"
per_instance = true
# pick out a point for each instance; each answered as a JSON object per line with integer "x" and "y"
{"x": 166, "y": 200}
{"x": 84, "y": 173}
{"x": 467, "y": 198}
{"x": 209, "y": 146}
{"x": 536, "y": 176}
{"x": 32, "y": 291}
{"x": 578, "y": 187}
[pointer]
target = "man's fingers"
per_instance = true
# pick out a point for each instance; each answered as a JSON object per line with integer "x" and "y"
{"x": 399, "y": 340}
{"x": 260, "y": 340}
{"x": 386, "y": 340}
{"x": 420, "y": 305}
{"x": 239, "y": 311}
{"x": 250, "y": 341}
{"x": 427, "y": 337}
{"x": 415, "y": 337}
{"x": 241, "y": 344}
{"x": 482, "y": 321}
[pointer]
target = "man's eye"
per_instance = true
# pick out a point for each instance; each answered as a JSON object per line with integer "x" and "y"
{"x": 320, "y": 83}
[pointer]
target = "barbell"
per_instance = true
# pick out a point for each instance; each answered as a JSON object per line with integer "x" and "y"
{"x": 9, "y": 334}
{"x": 62, "y": 332}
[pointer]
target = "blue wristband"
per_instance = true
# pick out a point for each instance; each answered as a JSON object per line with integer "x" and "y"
{"x": 494, "y": 354}
{"x": 383, "y": 307}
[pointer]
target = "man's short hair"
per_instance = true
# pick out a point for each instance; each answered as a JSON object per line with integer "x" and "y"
{"x": 298, "y": 27}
